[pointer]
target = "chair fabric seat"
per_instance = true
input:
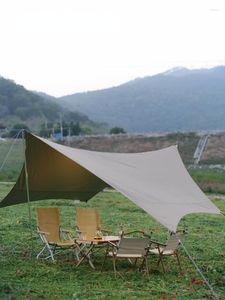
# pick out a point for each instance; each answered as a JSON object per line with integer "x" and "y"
{"x": 126, "y": 255}
{"x": 128, "y": 248}
{"x": 165, "y": 252}
{"x": 171, "y": 248}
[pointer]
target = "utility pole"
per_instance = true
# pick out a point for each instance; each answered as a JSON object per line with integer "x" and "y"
{"x": 53, "y": 131}
{"x": 61, "y": 127}
{"x": 69, "y": 134}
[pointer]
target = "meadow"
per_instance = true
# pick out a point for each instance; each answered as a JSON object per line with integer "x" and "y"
{"x": 11, "y": 159}
{"x": 24, "y": 277}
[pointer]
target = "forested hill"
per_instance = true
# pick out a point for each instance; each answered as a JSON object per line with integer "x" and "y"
{"x": 179, "y": 99}
{"x": 18, "y": 105}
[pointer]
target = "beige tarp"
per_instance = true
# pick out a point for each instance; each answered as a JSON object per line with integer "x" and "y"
{"x": 156, "y": 181}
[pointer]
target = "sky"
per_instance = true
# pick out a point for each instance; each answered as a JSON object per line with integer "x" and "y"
{"x": 61, "y": 47}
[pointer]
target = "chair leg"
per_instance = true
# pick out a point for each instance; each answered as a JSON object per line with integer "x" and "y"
{"x": 77, "y": 252}
{"x": 179, "y": 264}
{"x": 142, "y": 264}
{"x": 42, "y": 250}
{"x": 158, "y": 262}
{"x": 103, "y": 263}
{"x": 146, "y": 264}
{"x": 105, "y": 257}
{"x": 51, "y": 251}
{"x": 114, "y": 264}
{"x": 161, "y": 260}
{"x": 86, "y": 255}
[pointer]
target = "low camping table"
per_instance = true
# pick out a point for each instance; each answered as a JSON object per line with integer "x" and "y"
{"x": 92, "y": 243}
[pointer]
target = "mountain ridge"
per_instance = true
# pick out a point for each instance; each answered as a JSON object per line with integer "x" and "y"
{"x": 179, "y": 100}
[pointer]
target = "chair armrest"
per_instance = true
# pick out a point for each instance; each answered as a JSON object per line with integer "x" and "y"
{"x": 147, "y": 235}
{"x": 134, "y": 231}
{"x": 79, "y": 231}
{"x": 43, "y": 232}
{"x": 139, "y": 231}
{"x": 68, "y": 230}
{"x": 113, "y": 244}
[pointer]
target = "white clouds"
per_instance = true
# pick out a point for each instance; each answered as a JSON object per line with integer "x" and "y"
{"x": 66, "y": 46}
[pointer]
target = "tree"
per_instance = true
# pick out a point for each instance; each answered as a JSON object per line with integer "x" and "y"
{"x": 117, "y": 130}
{"x": 16, "y": 130}
{"x": 75, "y": 128}
{"x": 46, "y": 129}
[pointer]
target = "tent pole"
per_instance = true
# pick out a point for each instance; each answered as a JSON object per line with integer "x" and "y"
{"x": 199, "y": 271}
{"x": 27, "y": 189}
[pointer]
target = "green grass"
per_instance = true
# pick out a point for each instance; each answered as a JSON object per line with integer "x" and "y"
{"x": 24, "y": 277}
{"x": 209, "y": 180}
{"x": 14, "y": 161}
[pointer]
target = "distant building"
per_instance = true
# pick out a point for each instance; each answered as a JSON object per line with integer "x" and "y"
{"x": 57, "y": 136}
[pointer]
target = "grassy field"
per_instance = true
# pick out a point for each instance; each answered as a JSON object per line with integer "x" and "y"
{"x": 209, "y": 180}
{"x": 11, "y": 159}
{"x": 24, "y": 277}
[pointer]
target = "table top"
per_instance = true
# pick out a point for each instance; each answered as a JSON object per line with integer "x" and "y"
{"x": 104, "y": 239}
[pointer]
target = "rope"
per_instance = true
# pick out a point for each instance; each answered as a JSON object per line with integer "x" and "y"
{"x": 10, "y": 149}
{"x": 199, "y": 271}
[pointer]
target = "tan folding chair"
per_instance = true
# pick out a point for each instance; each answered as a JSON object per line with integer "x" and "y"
{"x": 89, "y": 230}
{"x": 48, "y": 227}
{"x": 169, "y": 249}
{"x": 128, "y": 248}
{"x": 88, "y": 223}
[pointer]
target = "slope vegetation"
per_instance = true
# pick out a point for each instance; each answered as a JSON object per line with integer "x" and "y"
{"x": 177, "y": 100}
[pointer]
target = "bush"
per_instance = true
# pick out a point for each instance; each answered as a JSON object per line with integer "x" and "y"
{"x": 117, "y": 130}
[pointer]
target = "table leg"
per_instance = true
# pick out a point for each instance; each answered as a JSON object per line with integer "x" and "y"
{"x": 87, "y": 256}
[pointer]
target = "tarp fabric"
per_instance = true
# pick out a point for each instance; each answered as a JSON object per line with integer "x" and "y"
{"x": 156, "y": 181}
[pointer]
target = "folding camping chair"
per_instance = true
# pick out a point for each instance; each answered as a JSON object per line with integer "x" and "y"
{"x": 90, "y": 231}
{"x": 48, "y": 228}
{"x": 88, "y": 223}
{"x": 128, "y": 248}
{"x": 168, "y": 249}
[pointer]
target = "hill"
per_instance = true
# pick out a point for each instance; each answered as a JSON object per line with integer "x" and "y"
{"x": 177, "y": 100}
{"x": 18, "y": 105}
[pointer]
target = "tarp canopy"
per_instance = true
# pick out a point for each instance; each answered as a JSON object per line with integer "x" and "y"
{"x": 156, "y": 181}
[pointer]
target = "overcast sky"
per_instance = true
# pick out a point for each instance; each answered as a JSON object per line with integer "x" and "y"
{"x": 65, "y": 46}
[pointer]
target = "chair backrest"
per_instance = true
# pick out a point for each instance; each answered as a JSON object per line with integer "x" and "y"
{"x": 172, "y": 243}
{"x": 133, "y": 245}
{"x": 87, "y": 220}
{"x": 48, "y": 221}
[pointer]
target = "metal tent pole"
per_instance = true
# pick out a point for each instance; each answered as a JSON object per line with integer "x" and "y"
{"x": 27, "y": 188}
